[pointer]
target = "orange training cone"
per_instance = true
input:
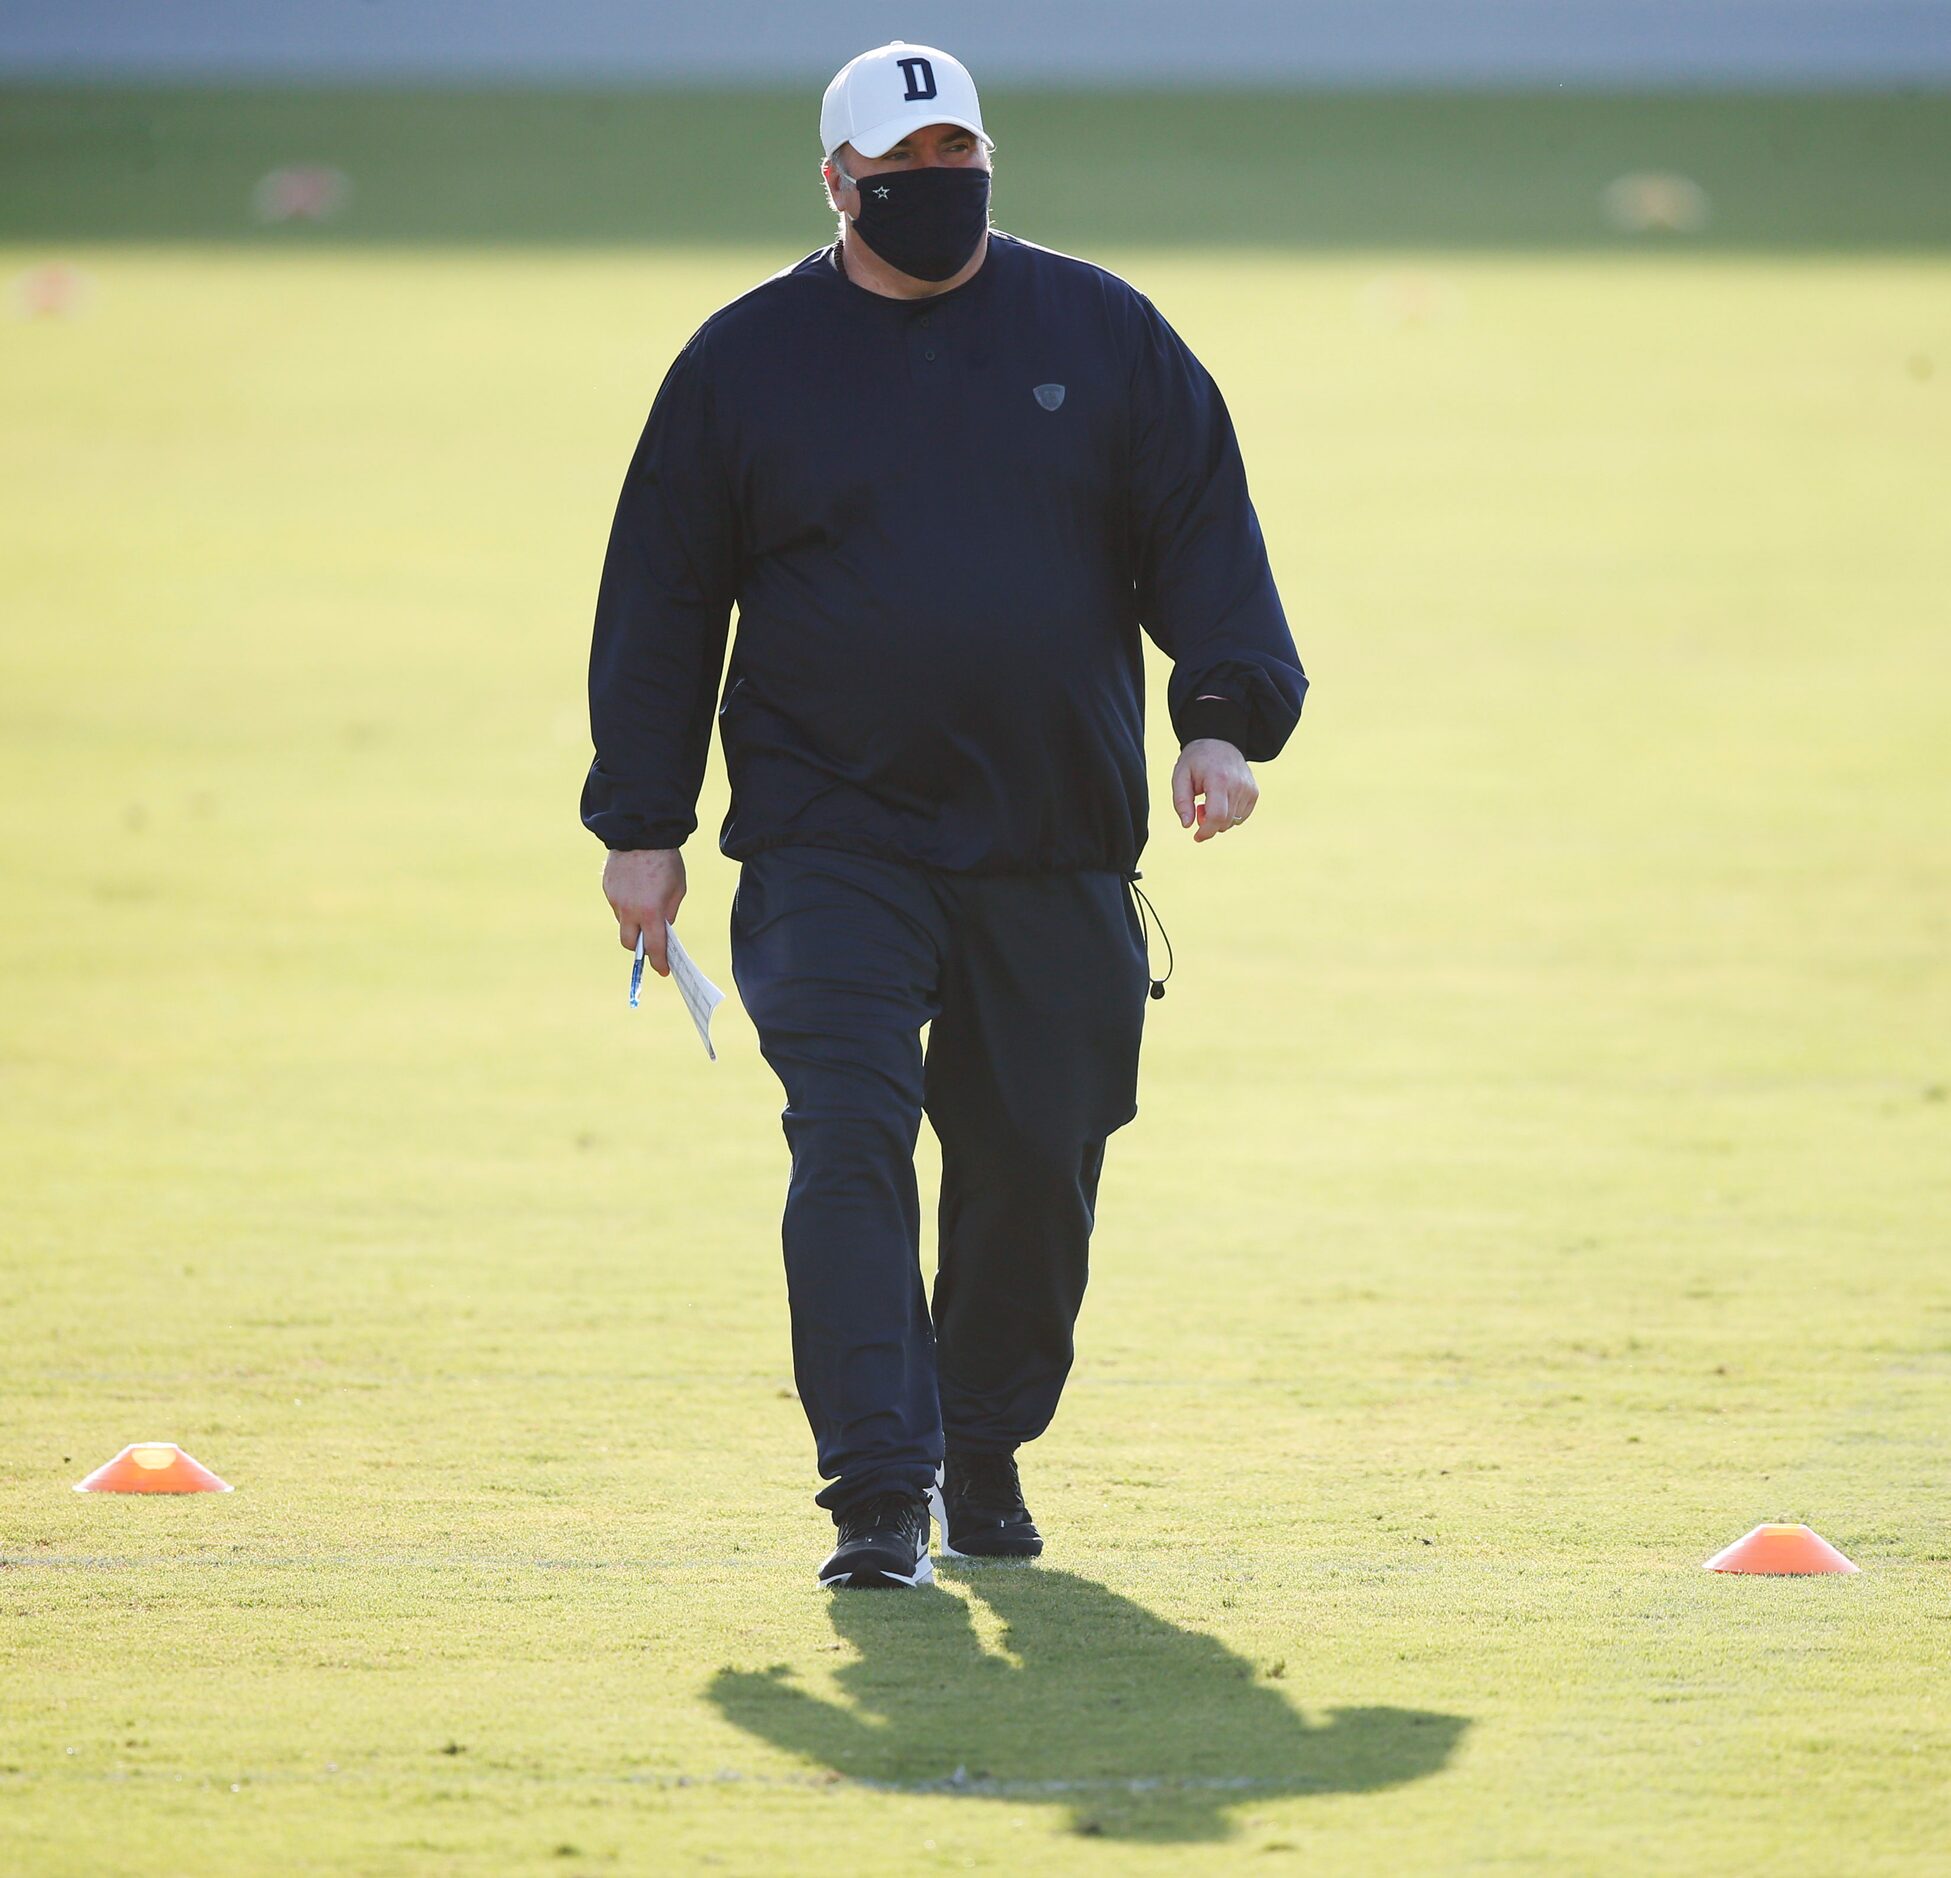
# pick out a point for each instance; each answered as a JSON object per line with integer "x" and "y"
{"x": 1784, "y": 1551}
{"x": 152, "y": 1467}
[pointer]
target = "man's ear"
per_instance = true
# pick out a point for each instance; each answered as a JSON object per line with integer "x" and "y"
{"x": 838, "y": 188}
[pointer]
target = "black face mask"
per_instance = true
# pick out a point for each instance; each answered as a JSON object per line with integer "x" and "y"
{"x": 926, "y": 222}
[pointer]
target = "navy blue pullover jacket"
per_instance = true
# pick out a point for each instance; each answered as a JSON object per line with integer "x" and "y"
{"x": 943, "y": 523}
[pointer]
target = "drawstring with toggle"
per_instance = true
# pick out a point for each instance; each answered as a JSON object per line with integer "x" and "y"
{"x": 1145, "y": 907}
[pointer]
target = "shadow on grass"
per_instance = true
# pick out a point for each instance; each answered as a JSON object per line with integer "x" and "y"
{"x": 1085, "y": 1700}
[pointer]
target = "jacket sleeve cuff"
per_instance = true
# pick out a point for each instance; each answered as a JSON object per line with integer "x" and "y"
{"x": 626, "y": 834}
{"x": 1215, "y": 717}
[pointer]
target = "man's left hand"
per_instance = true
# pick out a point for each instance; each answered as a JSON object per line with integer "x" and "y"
{"x": 1215, "y": 770}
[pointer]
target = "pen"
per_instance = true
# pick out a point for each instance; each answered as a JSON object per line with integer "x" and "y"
{"x": 637, "y": 971}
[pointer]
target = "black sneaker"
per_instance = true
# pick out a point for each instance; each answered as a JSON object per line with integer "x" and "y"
{"x": 883, "y": 1542}
{"x": 978, "y": 1500}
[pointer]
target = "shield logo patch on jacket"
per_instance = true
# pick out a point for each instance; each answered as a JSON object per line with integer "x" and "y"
{"x": 1050, "y": 396}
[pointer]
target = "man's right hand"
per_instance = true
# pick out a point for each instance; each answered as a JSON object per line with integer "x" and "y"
{"x": 645, "y": 887}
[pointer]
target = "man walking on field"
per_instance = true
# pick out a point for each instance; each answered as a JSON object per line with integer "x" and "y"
{"x": 946, "y": 477}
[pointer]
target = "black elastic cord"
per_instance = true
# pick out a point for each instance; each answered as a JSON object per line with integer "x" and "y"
{"x": 1145, "y": 906}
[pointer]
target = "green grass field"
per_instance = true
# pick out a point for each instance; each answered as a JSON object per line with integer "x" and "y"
{"x": 1542, "y": 1173}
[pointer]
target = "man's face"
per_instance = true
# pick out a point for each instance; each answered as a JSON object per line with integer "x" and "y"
{"x": 946, "y": 146}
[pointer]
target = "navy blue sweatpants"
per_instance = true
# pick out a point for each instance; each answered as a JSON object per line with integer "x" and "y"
{"x": 1034, "y": 988}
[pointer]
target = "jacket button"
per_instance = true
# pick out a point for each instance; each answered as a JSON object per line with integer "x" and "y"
{"x": 929, "y": 354}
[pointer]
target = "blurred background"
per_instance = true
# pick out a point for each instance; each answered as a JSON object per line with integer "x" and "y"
{"x": 1543, "y": 1143}
{"x": 1743, "y": 123}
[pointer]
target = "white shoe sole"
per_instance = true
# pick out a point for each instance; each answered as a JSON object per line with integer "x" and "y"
{"x": 924, "y": 1574}
{"x": 939, "y": 1514}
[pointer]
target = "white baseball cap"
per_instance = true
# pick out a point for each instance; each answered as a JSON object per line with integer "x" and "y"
{"x": 880, "y": 97}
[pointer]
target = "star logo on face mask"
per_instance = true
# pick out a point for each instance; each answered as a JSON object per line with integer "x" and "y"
{"x": 882, "y": 192}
